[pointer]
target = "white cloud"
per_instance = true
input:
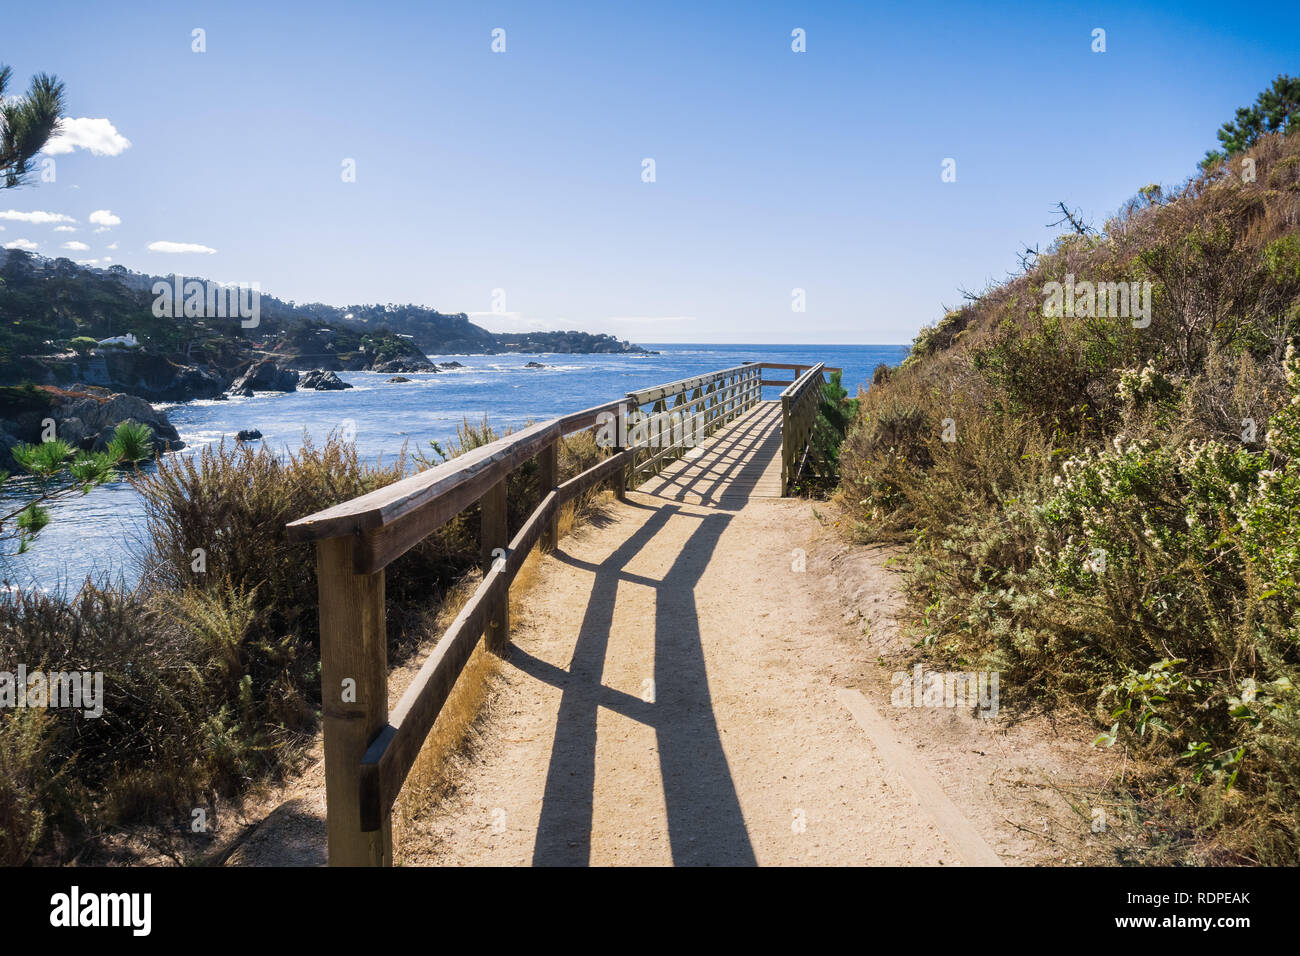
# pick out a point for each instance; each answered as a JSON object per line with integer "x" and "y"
{"x": 164, "y": 246}
{"x": 113, "y": 245}
{"x": 97, "y": 135}
{"x": 65, "y": 228}
{"x": 76, "y": 246}
{"x": 102, "y": 217}
{"x": 87, "y": 262}
{"x": 37, "y": 218}
{"x": 21, "y": 244}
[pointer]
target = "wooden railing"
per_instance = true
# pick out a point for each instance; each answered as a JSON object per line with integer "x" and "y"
{"x": 368, "y": 751}
{"x": 799, "y": 403}
{"x": 700, "y": 406}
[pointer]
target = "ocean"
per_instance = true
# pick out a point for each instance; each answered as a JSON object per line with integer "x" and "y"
{"x": 99, "y": 534}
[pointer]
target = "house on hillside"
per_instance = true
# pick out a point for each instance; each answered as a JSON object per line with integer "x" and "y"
{"x": 126, "y": 341}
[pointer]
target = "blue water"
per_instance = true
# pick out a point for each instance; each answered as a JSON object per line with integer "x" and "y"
{"x": 99, "y": 534}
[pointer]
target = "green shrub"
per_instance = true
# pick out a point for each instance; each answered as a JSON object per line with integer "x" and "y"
{"x": 211, "y": 673}
{"x": 1105, "y": 527}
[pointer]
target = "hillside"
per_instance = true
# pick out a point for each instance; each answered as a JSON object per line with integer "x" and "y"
{"x": 1096, "y": 469}
{"x": 44, "y": 303}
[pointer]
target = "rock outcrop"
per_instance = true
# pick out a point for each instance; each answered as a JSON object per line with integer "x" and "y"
{"x": 86, "y": 416}
{"x": 150, "y": 375}
{"x": 266, "y": 376}
{"x": 323, "y": 380}
{"x": 410, "y": 364}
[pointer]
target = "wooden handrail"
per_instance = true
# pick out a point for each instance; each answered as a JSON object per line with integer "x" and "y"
{"x": 389, "y": 759}
{"x": 799, "y": 404}
{"x": 369, "y": 754}
{"x": 648, "y": 395}
{"x": 799, "y": 368}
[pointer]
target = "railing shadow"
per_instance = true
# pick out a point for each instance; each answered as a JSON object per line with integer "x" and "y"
{"x": 731, "y": 461}
{"x": 705, "y": 823}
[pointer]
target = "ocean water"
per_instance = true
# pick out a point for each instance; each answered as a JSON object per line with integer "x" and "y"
{"x": 99, "y": 534}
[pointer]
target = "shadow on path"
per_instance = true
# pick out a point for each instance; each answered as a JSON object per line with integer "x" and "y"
{"x": 705, "y": 824}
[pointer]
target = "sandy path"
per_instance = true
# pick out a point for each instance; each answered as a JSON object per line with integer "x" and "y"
{"x": 671, "y": 698}
{"x": 678, "y": 693}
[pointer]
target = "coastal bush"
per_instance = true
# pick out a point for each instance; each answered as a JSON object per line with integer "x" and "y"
{"x": 1109, "y": 512}
{"x": 210, "y": 666}
{"x": 74, "y": 767}
{"x": 835, "y": 413}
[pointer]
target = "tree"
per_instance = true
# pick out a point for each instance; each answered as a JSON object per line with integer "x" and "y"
{"x": 26, "y": 124}
{"x": 55, "y": 473}
{"x": 1277, "y": 108}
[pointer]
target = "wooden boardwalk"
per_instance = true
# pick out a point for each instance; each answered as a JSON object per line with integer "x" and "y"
{"x": 741, "y": 460}
{"x": 753, "y": 449}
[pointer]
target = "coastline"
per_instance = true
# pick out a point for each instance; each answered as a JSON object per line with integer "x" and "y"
{"x": 99, "y": 534}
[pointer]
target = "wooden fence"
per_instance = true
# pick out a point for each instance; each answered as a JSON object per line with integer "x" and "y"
{"x": 368, "y": 751}
{"x": 799, "y": 404}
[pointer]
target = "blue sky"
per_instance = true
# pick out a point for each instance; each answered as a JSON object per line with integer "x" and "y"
{"x": 522, "y": 171}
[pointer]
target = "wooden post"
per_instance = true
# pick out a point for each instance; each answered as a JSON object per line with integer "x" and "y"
{"x": 495, "y": 535}
{"x": 354, "y": 697}
{"x": 785, "y": 446}
{"x": 619, "y": 480}
{"x": 549, "y": 460}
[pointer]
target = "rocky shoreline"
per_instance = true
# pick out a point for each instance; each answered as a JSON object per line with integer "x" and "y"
{"x": 85, "y": 416}
{"x": 91, "y": 347}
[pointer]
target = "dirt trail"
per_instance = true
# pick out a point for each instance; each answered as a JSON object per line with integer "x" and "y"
{"x": 679, "y": 692}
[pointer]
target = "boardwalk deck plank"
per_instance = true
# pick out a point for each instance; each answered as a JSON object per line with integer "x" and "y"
{"x": 742, "y": 460}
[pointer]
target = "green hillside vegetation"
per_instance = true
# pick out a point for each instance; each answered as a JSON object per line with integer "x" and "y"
{"x": 1109, "y": 513}
{"x": 46, "y": 310}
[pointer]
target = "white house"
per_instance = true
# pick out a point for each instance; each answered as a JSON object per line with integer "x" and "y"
{"x": 129, "y": 340}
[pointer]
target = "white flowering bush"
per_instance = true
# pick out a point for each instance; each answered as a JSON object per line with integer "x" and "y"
{"x": 1146, "y": 385}
{"x": 1194, "y": 599}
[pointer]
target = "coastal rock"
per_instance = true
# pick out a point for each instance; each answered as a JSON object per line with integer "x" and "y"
{"x": 410, "y": 364}
{"x": 95, "y": 414}
{"x": 248, "y": 434}
{"x": 86, "y": 417}
{"x": 536, "y": 365}
{"x": 398, "y": 378}
{"x": 452, "y": 364}
{"x": 243, "y": 391}
{"x": 266, "y": 376}
{"x": 323, "y": 381}
{"x": 188, "y": 383}
{"x": 7, "y": 441}
{"x": 144, "y": 372}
